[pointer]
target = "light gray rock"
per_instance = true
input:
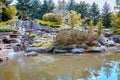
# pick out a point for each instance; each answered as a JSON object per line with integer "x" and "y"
{"x": 116, "y": 38}
{"x": 59, "y": 51}
{"x": 39, "y": 49}
{"x": 30, "y": 54}
{"x": 102, "y": 39}
{"x": 96, "y": 50}
{"x": 77, "y": 50}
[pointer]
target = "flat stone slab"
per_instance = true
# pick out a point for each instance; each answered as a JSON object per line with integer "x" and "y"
{"x": 78, "y": 50}
{"x": 59, "y": 51}
{"x": 96, "y": 50}
{"x": 38, "y": 49}
{"x": 30, "y": 54}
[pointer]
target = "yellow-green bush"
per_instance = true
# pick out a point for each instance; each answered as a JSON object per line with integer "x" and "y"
{"x": 31, "y": 35}
{"x": 42, "y": 44}
{"x": 3, "y": 23}
{"x": 52, "y": 17}
{"x": 74, "y": 37}
{"x": 116, "y": 20}
{"x": 51, "y": 24}
{"x": 6, "y": 29}
{"x": 117, "y": 31}
{"x": 9, "y": 13}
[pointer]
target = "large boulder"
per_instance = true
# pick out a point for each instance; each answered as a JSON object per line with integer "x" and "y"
{"x": 116, "y": 38}
{"x": 1, "y": 60}
{"x": 102, "y": 39}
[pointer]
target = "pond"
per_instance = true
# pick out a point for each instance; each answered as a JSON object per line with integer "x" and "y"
{"x": 59, "y": 67}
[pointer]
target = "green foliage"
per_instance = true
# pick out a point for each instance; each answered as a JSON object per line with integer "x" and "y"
{"x": 61, "y": 4}
{"x": 42, "y": 44}
{"x": 116, "y": 20}
{"x": 99, "y": 25}
{"x": 82, "y": 8}
{"x": 6, "y": 2}
{"x": 8, "y": 13}
{"x": 106, "y": 15}
{"x": 47, "y": 6}
{"x": 35, "y": 9}
{"x": 94, "y": 13}
{"x": 6, "y": 29}
{"x": 117, "y": 31}
{"x": 74, "y": 37}
{"x": 51, "y": 24}
{"x": 3, "y": 23}
{"x": 12, "y": 21}
{"x": 31, "y": 35}
{"x": 73, "y": 18}
{"x": 60, "y": 47}
{"x": 52, "y": 17}
{"x": 70, "y": 5}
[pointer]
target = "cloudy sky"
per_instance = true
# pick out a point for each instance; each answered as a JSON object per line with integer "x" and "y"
{"x": 99, "y": 2}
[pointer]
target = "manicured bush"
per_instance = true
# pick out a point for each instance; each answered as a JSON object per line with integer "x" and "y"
{"x": 52, "y": 17}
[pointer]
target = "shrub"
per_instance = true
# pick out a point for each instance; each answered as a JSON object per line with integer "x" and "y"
{"x": 6, "y": 29}
{"x": 31, "y": 35}
{"x": 51, "y": 24}
{"x": 8, "y": 13}
{"x": 42, "y": 44}
{"x": 63, "y": 38}
{"x": 52, "y": 17}
{"x": 74, "y": 37}
{"x": 3, "y": 23}
{"x": 116, "y": 20}
{"x": 73, "y": 18}
{"x": 117, "y": 31}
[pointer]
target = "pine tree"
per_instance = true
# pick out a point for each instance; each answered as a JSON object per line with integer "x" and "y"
{"x": 73, "y": 19}
{"x": 106, "y": 15}
{"x": 82, "y": 8}
{"x": 70, "y": 5}
{"x": 35, "y": 10}
{"x": 24, "y": 8}
{"x": 94, "y": 13}
{"x": 47, "y": 7}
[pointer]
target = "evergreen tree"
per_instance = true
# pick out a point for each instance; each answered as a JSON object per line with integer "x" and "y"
{"x": 116, "y": 20}
{"x": 73, "y": 19}
{"x": 47, "y": 7}
{"x": 6, "y": 2}
{"x": 61, "y": 5}
{"x": 70, "y": 5}
{"x": 82, "y": 8}
{"x": 24, "y": 8}
{"x": 106, "y": 15}
{"x": 94, "y": 13}
{"x": 35, "y": 10}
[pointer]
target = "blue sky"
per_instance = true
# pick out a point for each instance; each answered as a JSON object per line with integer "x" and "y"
{"x": 99, "y": 2}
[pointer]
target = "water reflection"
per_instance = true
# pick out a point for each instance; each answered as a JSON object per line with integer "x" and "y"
{"x": 57, "y": 67}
